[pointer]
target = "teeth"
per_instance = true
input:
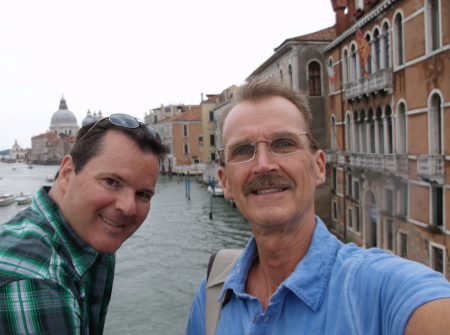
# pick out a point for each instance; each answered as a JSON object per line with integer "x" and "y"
{"x": 268, "y": 190}
{"x": 110, "y": 222}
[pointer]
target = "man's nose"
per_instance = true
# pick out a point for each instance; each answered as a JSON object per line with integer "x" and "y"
{"x": 126, "y": 203}
{"x": 264, "y": 158}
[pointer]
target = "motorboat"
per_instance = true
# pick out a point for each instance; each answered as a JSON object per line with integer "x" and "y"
{"x": 24, "y": 198}
{"x": 30, "y": 166}
{"x": 216, "y": 192}
{"x": 50, "y": 178}
{"x": 6, "y": 199}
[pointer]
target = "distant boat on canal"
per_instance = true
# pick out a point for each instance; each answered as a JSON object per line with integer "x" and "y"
{"x": 6, "y": 199}
{"x": 24, "y": 198}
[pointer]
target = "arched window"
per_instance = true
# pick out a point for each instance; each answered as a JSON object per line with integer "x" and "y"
{"x": 333, "y": 133}
{"x": 281, "y": 75}
{"x": 331, "y": 86}
{"x": 389, "y": 131}
{"x": 345, "y": 67}
{"x": 398, "y": 34}
{"x": 290, "y": 76}
{"x": 363, "y": 131}
{"x": 348, "y": 133}
{"x": 435, "y": 125}
{"x": 377, "y": 50}
{"x": 356, "y": 127}
{"x": 369, "y": 59}
{"x": 353, "y": 75}
{"x": 314, "y": 79}
{"x": 371, "y": 139}
{"x": 386, "y": 48}
{"x": 401, "y": 128}
{"x": 380, "y": 130}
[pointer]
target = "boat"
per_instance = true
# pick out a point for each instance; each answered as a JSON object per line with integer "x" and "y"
{"x": 24, "y": 198}
{"x": 30, "y": 166}
{"x": 217, "y": 192}
{"x": 50, "y": 178}
{"x": 6, "y": 199}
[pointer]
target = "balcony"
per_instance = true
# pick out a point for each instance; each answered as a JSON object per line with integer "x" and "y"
{"x": 331, "y": 156}
{"x": 430, "y": 166}
{"x": 397, "y": 163}
{"x": 379, "y": 81}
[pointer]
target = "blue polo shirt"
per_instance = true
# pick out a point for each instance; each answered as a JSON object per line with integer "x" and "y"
{"x": 336, "y": 289}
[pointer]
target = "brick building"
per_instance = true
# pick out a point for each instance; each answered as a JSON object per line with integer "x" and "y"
{"x": 390, "y": 150}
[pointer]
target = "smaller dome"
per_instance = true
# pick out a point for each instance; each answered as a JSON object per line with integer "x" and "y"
{"x": 88, "y": 119}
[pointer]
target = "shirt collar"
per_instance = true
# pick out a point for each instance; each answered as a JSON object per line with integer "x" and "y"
{"x": 310, "y": 277}
{"x": 82, "y": 254}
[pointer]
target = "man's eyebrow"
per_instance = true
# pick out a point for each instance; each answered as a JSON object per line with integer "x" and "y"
{"x": 240, "y": 142}
{"x": 116, "y": 176}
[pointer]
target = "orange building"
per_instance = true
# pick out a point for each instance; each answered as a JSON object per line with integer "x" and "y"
{"x": 390, "y": 150}
{"x": 182, "y": 133}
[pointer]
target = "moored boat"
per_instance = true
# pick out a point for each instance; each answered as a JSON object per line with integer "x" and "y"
{"x": 24, "y": 198}
{"x": 6, "y": 199}
{"x": 216, "y": 192}
{"x": 50, "y": 178}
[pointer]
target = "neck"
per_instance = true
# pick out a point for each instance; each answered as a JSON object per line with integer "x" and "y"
{"x": 279, "y": 252}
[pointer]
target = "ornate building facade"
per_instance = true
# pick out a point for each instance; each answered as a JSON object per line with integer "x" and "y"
{"x": 389, "y": 157}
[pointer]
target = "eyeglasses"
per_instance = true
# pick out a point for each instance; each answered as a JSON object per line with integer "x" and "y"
{"x": 127, "y": 121}
{"x": 246, "y": 152}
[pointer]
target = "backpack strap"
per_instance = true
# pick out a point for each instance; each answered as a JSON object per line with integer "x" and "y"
{"x": 220, "y": 265}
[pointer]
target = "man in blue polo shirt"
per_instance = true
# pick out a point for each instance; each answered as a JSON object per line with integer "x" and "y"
{"x": 294, "y": 277}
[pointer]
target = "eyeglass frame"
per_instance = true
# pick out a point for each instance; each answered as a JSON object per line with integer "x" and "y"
{"x": 153, "y": 133}
{"x": 222, "y": 151}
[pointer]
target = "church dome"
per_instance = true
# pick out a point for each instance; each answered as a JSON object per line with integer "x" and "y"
{"x": 88, "y": 119}
{"x": 63, "y": 115}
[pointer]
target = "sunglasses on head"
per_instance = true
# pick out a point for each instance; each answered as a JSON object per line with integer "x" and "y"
{"x": 127, "y": 121}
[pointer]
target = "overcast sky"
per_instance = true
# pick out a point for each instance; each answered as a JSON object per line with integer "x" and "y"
{"x": 132, "y": 56}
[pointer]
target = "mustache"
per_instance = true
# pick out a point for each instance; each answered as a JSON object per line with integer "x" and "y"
{"x": 267, "y": 180}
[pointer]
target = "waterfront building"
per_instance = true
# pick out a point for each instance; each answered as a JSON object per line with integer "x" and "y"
{"x": 208, "y": 126}
{"x": 218, "y": 110}
{"x": 39, "y": 148}
{"x": 298, "y": 63}
{"x": 389, "y": 146}
{"x": 19, "y": 154}
{"x": 182, "y": 133}
{"x": 158, "y": 114}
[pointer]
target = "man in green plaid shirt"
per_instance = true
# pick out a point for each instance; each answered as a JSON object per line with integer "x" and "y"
{"x": 57, "y": 257}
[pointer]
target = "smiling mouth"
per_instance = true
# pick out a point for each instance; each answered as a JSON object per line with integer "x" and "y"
{"x": 269, "y": 190}
{"x": 112, "y": 223}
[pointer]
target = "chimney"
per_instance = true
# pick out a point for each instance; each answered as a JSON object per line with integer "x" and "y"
{"x": 201, "y": 95}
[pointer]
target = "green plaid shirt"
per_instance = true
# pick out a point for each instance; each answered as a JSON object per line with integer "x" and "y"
{"x": 51, "y": 281}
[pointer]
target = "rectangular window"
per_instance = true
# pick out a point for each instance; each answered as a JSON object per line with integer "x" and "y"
{"x": 212, "y": 140}
{"x": 185, "y": 148}
{"x": 357, "y": 218}
{"x": 437, "y": 259}
{"x": 211, "y": 116}
{"x": 438, "y": 210}
{"x": 403, "y": 205}
{"x": 213, "y": 156}
{"x": 185, "y": 130}
{"x": 389, "y": 235}
{"x": 356, "y": 190}
{"x": 389, "y": 200}
{"x": 350, "y": 185}
{"x": 435, "y": 25}
{"x": 350, "y": 218}
{"x": 200, "y": 140}
{"x": 402, "y": 245}
{"x": 167, "y": 109}
{"x": 334, "y": 171}
{"x": 335, "y": 210}
{"x": 155, "y": 118}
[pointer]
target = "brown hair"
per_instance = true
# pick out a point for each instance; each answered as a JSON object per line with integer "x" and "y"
{"x": 257, "y": 89}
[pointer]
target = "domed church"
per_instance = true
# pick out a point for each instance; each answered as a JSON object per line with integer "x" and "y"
{"x": 64, "y": 121}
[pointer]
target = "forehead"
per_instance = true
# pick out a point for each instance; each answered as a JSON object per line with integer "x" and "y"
{"x": 261, "y": 119}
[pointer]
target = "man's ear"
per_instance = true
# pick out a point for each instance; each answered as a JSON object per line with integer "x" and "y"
{"x": 66, "y": 171}
{"x": 224, "y": 180}
{"x": 321, "y": 167}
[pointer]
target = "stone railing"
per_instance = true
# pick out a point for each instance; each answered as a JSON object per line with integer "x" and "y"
{"x": 380, "y": 80}
{"x": 430, "y": 165}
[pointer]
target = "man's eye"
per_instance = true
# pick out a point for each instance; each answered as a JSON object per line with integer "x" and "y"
{"x": 244, "y": 151}
{"x": 110, "y": 181}
{"x": 144, "y": 195}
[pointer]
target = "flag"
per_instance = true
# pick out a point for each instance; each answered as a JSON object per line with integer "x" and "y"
{"x": 331, "y": 74}
{"x": 363, "y": 50}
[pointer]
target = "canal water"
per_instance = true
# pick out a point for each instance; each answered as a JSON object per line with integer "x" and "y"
{"x": 158, "y": 269}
